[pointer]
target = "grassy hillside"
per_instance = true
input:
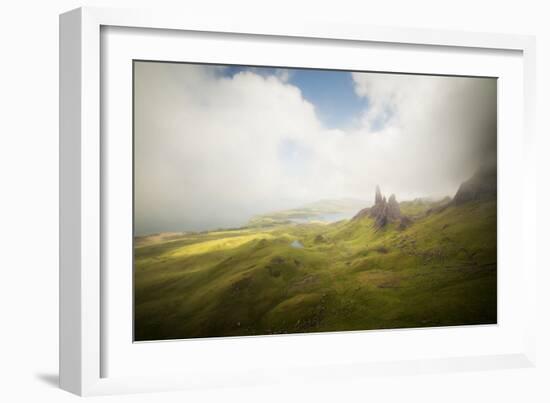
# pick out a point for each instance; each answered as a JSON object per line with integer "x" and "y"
{"x": 348, "y": 275}
{"x": 418, "y": 207}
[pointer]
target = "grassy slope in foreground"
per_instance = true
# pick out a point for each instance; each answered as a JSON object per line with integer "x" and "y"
{"x": 348, "y": 276}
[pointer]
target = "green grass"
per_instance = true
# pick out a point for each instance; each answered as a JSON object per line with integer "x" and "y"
{"x": 419, "y": 207}
{"x": 349, "y": 276}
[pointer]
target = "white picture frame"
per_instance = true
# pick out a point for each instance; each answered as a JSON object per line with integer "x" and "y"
{"x": 86, "y": 345}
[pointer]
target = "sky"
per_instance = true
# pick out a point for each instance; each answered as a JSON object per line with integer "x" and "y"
{"x": 215, "y": 145}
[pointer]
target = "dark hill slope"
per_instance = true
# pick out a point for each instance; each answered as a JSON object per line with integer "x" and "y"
{"x": 481, "y": 186}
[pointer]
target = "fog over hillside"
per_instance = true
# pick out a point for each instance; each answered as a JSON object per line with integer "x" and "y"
{"x": 214, "y": 147}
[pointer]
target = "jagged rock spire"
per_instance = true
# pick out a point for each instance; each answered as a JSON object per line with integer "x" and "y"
{"x": 383, "y": 211}
{"x": 379, "y": 204}
{"x": 394, "y": 212}
{"x": 378, "y": 196}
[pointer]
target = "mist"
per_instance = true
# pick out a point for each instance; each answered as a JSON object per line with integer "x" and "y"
{"x": 212, "y": 150}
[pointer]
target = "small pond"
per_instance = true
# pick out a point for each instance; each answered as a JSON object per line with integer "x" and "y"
{"x": 296, "y": 244}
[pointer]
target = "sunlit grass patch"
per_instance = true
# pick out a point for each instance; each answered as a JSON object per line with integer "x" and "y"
{"x": 218, "y": 245}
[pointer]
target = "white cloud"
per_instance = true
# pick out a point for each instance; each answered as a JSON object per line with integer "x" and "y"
{"x": 213, "y": 150}
{"x": 439, "y": 130}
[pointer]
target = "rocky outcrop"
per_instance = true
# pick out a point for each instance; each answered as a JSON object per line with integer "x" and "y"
{"x": 404, "y": 222}
{"x": 481, "y": 186}
{"x": 377, "y": 196}
{"x": 383, "y": 211}
{"x": 394, "y": 213}
{"x": 379, "y": 204}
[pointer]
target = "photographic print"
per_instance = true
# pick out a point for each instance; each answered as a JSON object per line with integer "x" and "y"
{"x": 272, "y": 200}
